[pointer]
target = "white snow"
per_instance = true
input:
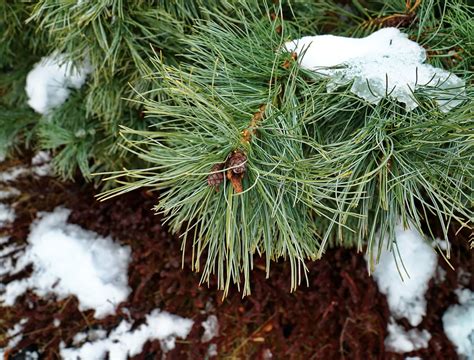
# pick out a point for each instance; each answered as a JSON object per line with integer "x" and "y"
{"x": 68, "y": 260}
{"x": 440, "y": 275}
{"x": 406, "y": 297}
{"x": 212, "y": 351}
{"x": 442, "y": 244}
{"x": 458, "y": 324}
{"x": 211, "y": 328}
{"x": 6, "y": 266}
{"x": 40, "y": 166}
{"x": 123, "y": 342}
{"x": 8, "y": 193}
{"x": 8, "y": 250}
{"x": 12, "y": 174}
{"x": 401, "y": 341}
{"x": 10, "y": 253}
{"x": 14, "y": 335}
{"x": 385, "y": 63}
{"x": 31, "y": 355}
{"x": 48, "y": 84}
{"x": 42, "y": 163}
{"x": 7, "y": 214}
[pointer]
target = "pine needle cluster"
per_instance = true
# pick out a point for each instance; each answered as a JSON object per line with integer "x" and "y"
{"x": 314, "y": 168}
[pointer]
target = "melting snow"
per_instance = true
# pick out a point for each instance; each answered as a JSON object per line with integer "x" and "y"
{"x": 385, "y": 63}
{"x": 48, "y": 84}
{"x": 406, "y": 298}
{"x": 399, "y": 340}
{"x": 68, "y": 260}
{"x": 123, "y": 342}
{"x": 458, "y": 324}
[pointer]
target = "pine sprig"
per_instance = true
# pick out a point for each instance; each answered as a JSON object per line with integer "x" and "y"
{"x": 321, "y": 168}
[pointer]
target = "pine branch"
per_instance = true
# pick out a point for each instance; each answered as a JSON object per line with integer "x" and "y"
{"x": 320, "y": 168}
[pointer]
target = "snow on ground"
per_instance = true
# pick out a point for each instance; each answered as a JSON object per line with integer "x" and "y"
{"x": 401, "y": 341}
{"x": 406, "y": 297}
{"x": 14, "y": 335}
{"x": 40, "y": 166}
{"x": 211, "y": 328}
{"x": 48, "y": 84}
{"x": 458, "y": 324}
{"x": 7, "y": 214}
{"x": 13, "y": 173}
{"x": 403, "y": 275}
{"x": 385, "y": 63}
{"x": 68, "y": 260}
{"x": 42, "y": 163}
{"x": 6, "y": 193}
{"x": 123, "y": 342}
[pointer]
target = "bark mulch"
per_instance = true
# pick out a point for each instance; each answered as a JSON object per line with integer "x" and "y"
{"x": 339, "y": 315}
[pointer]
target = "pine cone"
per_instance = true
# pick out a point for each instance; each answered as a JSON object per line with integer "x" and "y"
{"x": 237, "y": 162}
{"x": 216, "y": 176}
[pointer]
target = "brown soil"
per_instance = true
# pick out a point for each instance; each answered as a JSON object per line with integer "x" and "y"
{"x": 339, "y": 315}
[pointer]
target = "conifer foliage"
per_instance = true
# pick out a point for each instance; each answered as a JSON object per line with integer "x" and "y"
{"x": 252, "y": 156}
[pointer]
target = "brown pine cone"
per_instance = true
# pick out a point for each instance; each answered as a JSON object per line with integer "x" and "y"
{"x": 216, "y": 176}
{"x": 237, "y": 162}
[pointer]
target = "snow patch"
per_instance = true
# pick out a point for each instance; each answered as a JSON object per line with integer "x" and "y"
{"x": 401, "y": 341}
{"x": 42, "y": 163}
{"x": 123, "y": 342}
{"x": 7, "y": 214}
{"x": 406, "y": 297}
{"x": 12, "y": 174}
{"x": 383, "y": 64}
{"x": 211, "y": 328}
{"x": 212, "y": 351}
{"x": 442, "y": 244}
{"x": 440, "y": 275}
{"x": 14, "y": 335}
{"x": 68, "y": 260}
{"x": 8, "y": 193}
{"x": 458, "y": 324}
{"x": 48, "y": 84}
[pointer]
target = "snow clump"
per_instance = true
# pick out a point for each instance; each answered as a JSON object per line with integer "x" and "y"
{"x": 383, "y": 64}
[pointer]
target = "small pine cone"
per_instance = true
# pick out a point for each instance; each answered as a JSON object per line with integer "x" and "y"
{"x": 216, "y": 177}
{"x": 237, "y": 162}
